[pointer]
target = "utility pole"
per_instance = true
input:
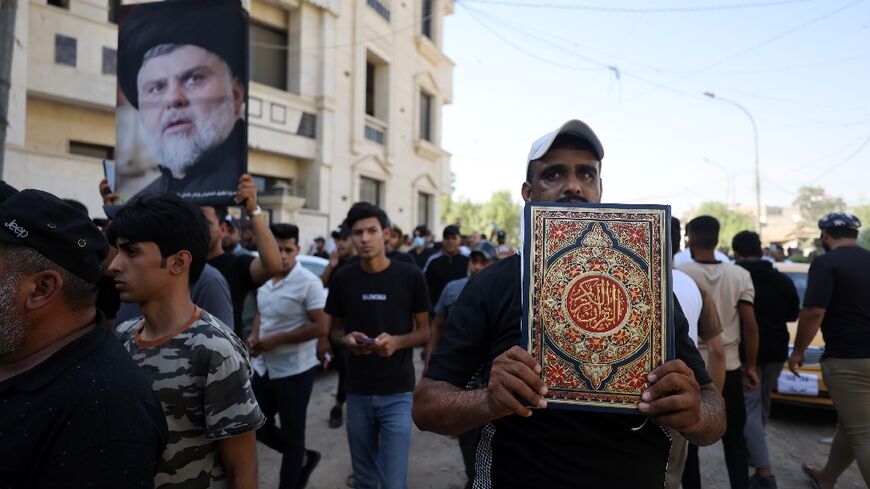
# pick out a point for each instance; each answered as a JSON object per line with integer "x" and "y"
{"x": 8, "y": 8}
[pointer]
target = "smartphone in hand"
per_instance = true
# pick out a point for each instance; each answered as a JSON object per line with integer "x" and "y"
{"x": 109, "y": 173}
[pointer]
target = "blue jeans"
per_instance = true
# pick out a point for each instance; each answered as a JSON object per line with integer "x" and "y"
{"x": 379, "y": 435}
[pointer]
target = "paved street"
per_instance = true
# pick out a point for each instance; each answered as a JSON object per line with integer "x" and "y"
{"x": 795, "y": 436}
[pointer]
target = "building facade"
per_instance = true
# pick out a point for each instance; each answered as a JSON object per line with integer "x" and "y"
{"x": 344, "y": 104}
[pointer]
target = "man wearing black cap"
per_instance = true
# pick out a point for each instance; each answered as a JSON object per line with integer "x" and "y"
{"x": 446, "y": 265}
{"x": 74, "y": 409}
{"x": 187, "y": 79}
{"x": 838, "y": 286}
{"x": 343, "y": 254}
{"x": 522, "y": 447}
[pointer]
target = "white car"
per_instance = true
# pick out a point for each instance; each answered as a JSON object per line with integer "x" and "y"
{"x": 315, "y": 265}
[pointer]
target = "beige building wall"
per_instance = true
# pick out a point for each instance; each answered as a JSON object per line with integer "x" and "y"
{"x": 311, "y": 141}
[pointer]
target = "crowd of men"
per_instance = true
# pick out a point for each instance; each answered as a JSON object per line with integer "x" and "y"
{"x": 155, "y": 350}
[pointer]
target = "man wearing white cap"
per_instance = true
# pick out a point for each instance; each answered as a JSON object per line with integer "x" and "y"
{"x": 521, "y": 446}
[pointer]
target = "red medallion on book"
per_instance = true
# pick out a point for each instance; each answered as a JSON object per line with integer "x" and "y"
{"x": 597, "y": 314}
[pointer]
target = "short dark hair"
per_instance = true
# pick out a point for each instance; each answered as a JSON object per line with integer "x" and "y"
{"x": 167, "y": 221}
{"x": 564, "y": 141}
{"x": 704, "y": 231}
{"x": 285, "y": 231}
{"x": 842, "y": 232}
{"x": 747, "y": 244}
{"x": 365, "y": 210}
{"x": 675, "y": 235}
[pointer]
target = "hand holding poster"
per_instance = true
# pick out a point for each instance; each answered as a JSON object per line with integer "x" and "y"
{"x": 182, "y": 74}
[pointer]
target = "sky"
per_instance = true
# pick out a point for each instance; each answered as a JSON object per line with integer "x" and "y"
{"x": 635, "y": 71}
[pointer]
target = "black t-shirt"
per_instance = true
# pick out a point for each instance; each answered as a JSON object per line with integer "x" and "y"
{"x": 401, "y": 256}
{"x": 442, "y": 270}
{"x": 776, "y": 303}
{"x": 839, "y": 282}
{"x": 421, "y": 257}
{"x": 86, "y": 416}
{"x": 237, "y": 270}
{"x": 108, "y": 298}
{"x": 552, "y": 448}
{"x": 374, "y": 303}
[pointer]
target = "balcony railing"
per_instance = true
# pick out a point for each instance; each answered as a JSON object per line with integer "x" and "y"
{"x": 375, "y": 130}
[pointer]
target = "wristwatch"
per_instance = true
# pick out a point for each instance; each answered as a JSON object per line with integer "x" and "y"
{"x": 257, "y": 212}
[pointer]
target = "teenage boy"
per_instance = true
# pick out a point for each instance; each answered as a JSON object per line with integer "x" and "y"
{"x": 284, "y": 346}
{"x": 374, "y": 305}
{"x": 199, "y": 370}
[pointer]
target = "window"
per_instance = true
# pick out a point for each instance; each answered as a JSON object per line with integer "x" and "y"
{"x": 427, "y": 19}
{"x": 424, "y": 209}
{"x": 370, "y": 88}
{"x": 92, "y": 150}
{"x": 110, "y": 61}
{"x": 380, "y": 8}
{"x": 59, "y": 3}
{"x": 425, "y": 116}
{"x": 267, "y": 185}
{"x": 370, "y": 190}
{"x": 64, "y": 50}
{"x": 307, "y": 126}
{"x": 268, "y": 56}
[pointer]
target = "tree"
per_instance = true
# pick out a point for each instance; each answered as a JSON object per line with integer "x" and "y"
{"x": 500, "y": 213}
{"x": 863, "y": 213}
{"x": 813, "y": 203}
{"x": 731, "y": 222}
{"x": 864, "y": 238}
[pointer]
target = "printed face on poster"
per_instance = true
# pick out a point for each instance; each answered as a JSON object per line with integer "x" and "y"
{"x": 183, "y": 84}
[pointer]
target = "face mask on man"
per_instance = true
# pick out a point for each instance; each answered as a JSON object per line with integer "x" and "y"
{"x": 418, "y": 241}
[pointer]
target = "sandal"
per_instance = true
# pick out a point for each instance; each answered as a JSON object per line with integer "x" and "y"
{"x": 808, "y": 470}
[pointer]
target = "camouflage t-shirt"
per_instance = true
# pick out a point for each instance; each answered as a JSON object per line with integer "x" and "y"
{"x": 202, "y": 377}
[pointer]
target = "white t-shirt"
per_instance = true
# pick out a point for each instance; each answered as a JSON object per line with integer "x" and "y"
{"x": 284, "y": 306}
{"x": 685, "y": 256}
{"x": 689, "y": 295}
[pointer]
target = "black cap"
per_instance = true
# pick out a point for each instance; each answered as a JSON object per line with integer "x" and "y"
{"x": 501, "y": 234}
{"x": 450, "y": 230}
{"x": 6, "y": 191}
{"x": 56, "y": 230}
{"x": 218, "y": 26}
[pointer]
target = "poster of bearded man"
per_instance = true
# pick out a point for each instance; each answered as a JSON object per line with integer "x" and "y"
{"x": 182, "y": 98}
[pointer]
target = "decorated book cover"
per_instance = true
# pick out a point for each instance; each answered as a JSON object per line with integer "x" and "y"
{"x": 597, "y": 302}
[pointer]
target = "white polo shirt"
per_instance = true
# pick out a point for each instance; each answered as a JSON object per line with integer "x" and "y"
{"x": 284, "y": 306}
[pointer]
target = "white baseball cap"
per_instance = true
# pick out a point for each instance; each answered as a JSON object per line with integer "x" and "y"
{"x": 575, "y": 128}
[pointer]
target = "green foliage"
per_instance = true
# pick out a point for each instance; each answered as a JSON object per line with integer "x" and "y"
{"x": 813, "y": 203}
{"x": 731, "y": 222}
{"x": 864, "y": 238}
{"x": 500, "y": 213}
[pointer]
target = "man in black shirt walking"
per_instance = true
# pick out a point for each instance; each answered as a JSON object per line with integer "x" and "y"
{"x": 776, "y": 303}
{"x": 522, "y": 447}
{"x": 447, "y": 265}
{"x": 379, "y": 312}
{"x": 244, "y": 273}
{"x": 838, "y": 287}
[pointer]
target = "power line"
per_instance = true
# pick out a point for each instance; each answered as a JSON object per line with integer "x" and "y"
{"x": 638, "y": 10}
{"x": 845, "y": 160}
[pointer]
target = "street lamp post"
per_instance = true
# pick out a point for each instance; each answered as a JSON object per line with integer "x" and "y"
{"x": 757, "y": 171}
{"x": 727, "y": 180}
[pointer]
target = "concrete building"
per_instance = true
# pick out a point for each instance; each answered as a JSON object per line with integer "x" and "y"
{"x": 344, "y": 105}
